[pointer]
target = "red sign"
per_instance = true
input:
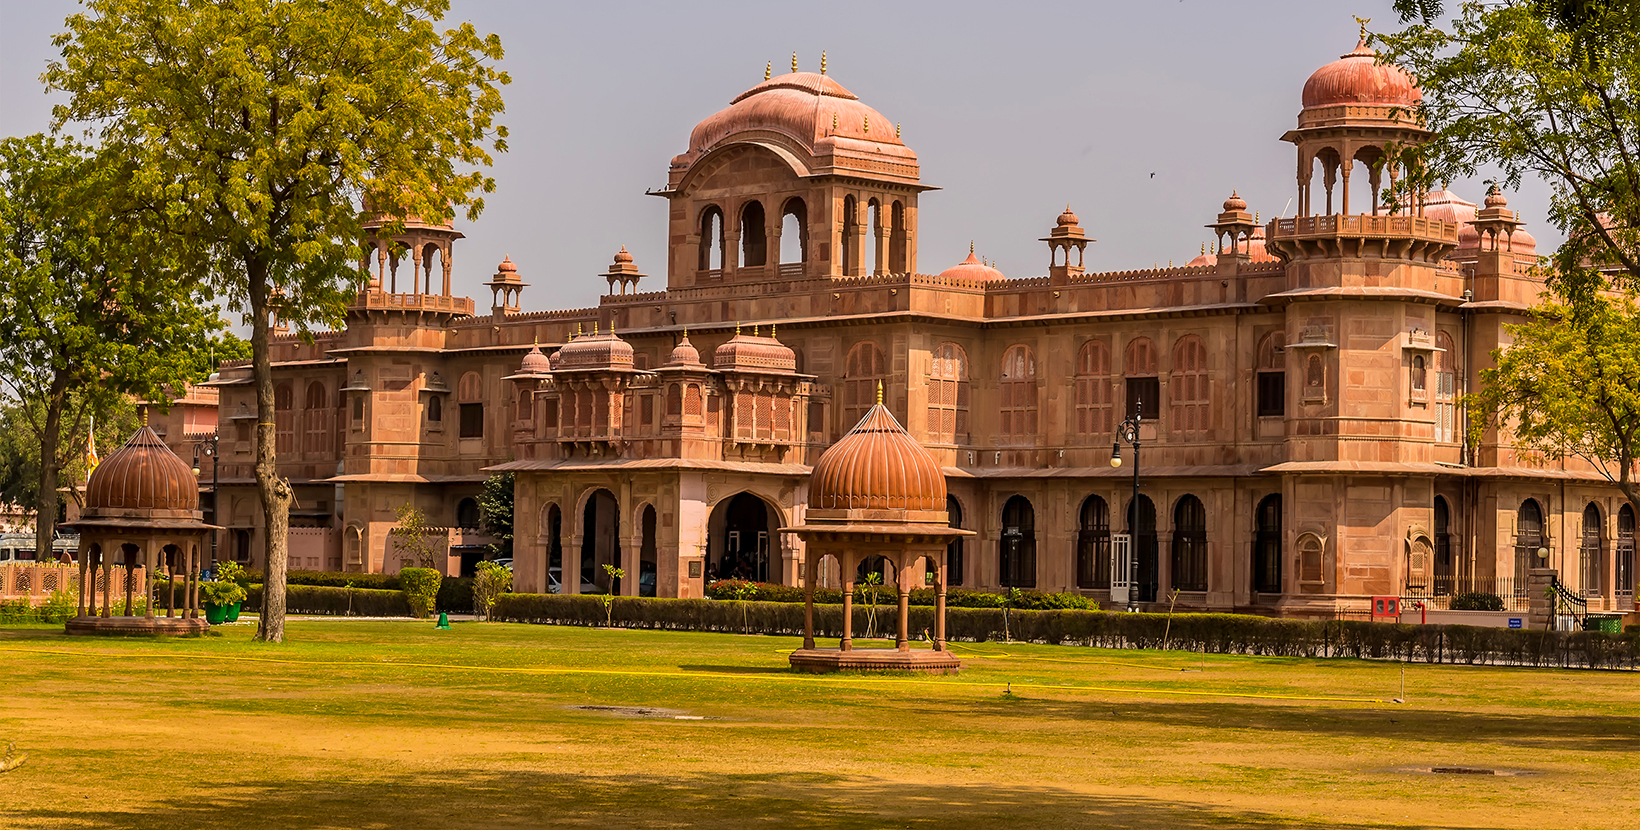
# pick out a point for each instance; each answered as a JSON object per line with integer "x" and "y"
{"x": 1386, "y": 607}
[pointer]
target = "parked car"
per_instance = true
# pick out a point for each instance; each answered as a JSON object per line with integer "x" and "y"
{"x": 504, "y": 562}
{"x": 554, "y": 586}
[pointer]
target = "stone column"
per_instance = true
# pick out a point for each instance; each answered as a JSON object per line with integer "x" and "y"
{"x": 811, "y": 570}
{"x": 1540, "y": 608}
{"x": 85, "y": 560}
{"x": 903, "y": 640}
{"x": 939, "y": 603}
{"x": 846, "y": 560}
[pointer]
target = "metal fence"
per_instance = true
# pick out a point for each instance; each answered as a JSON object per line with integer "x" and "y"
{"x": 1439, "y": 591}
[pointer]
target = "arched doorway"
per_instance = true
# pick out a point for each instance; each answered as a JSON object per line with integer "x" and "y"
{"x": 1267, "y": 546}
{"x": 1446, "y": 568}
{"x": 1093, "y": 544}
{"x": 1144, "y": 547}
{"x": 600, "y": 540}
{"x": 1593, "y": 552}
{"x": 647, "y": 571}
{"x": 1017, "y": 568}
{"x": 953, "y": 550}
{"x": 740, "y": 539}
{"x": 1625, "y": 557}
{"x": 1528, "y": 538}
{"x": 1189, "y": 545}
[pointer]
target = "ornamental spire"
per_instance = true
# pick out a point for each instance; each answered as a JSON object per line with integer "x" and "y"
{"x": 823, "y": 55}
{"x": 768, "y": 70}
{"x": 794, "y": 61}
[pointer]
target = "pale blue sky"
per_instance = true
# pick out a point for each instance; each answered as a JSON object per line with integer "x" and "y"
{"x": 1014, "y": 109}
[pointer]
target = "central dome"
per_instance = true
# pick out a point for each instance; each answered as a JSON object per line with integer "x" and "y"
{"x": 804, "y": 106}
{"x": 1357, "y": 78}
{"x": 877, "y": 466}
{"x": 143, "y": 479}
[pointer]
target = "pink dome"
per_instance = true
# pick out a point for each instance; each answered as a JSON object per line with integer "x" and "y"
{"x": 1357, "y": 78}
{"x": 973, "y": 270}
{"x": 534, "y": 362}
{"x": 684, "y": 354}
{"x": 802, "y": 106}
{"x": 1446, "y": 206}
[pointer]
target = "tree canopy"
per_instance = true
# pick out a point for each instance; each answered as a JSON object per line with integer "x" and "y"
{"x": 260, "y": 129}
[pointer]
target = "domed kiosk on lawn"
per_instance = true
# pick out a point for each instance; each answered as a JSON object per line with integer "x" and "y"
{"x": 142, "y": 508}
{"x": 876, "y": 492}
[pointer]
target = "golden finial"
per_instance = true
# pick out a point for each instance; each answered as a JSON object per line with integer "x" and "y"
{"x": 768, "y": 71}
{"x": 1170, "y": 263}
{"x": 686, "y": 332}
{"x": 1204, "y": 249}
{"x": 737, "y": 328}
{"x": 868, "y": 124}
{"x": 755, "y": 327}
{"x": 823, "y": 55}
{"x": 594, "y": 328}
{"x": 834, "y": 122}
{"x": 577, "y": 331}
{"x": 970, "y": 247}
{"x": 1256, "y": 219}
{"x": 879, "y": 393}
{"x": 145, "y": 416}
{"x": 794, "y": 61}
{"x": 772, "y": 327}
{"x": 896, "y": 129}
{"x": 1363, "y": 21}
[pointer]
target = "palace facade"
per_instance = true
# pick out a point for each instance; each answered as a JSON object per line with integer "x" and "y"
{"x": 1303, "y": 442}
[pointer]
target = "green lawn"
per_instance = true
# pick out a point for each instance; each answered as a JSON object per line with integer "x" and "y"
{"x": 397, "y": 725}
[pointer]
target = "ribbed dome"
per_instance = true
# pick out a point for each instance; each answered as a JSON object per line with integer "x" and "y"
{"x": 1235, "y": 202}
{"x": 142, "y": 479}
{"x": 803, "y": 106}
{"x": 535, "y": 363}
{"x": 877, "y": 466}
{"x": 595, "y": 351}
{"x": 1357, "y": 78}
{"x": 684, "y": 354}
{"x": 754, "y": 353}
{"x": 973, "y": 270}
{"x": 1067, "y": 218}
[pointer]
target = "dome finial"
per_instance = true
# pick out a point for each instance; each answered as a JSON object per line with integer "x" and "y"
{"x": 970, "y": 247}
{"x": 755, "y": 328}
{"x": 772, "y": 328}
{"x": 823, "y": 57}
{"x": 896, "y": 129}
{"x": 879, "y": 393}
{"x": 834, "y": 122}
{"x": 1363, "y": 21}
{"x": 145, "y": 416}
{"x": 737, "y": 328}
{"x": 794, "y": 61}
{"x": 1204, "y": 249}
{"x": 868, "y": 125}
{"x": 768, "y": 70}
{"x": 594, "y": 328}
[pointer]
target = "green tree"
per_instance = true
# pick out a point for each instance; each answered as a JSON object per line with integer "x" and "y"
{"x": 93, "y": 306}
{"x": 1547, "y": 88}
{"x": 495, "y": 510}
{"x": 259, "y": 128}
{"x": 1569, "y": 385}
{"x": 20, "y": 445}
{"x": 416, "y": 538}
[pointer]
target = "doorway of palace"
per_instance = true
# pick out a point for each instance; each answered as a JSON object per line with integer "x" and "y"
{"x": 647, "y": 571}
{"x": 1144, "y": 546}
{"x": 740, "y": 539}
{"x": 1017, "y": 560}
{"x": 601, "y": 540}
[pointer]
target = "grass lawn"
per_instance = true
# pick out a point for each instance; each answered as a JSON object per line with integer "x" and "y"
{"x": 396, "y": 725}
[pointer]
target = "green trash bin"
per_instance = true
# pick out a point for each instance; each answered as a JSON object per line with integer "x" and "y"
{"x": 1606, "y": 624}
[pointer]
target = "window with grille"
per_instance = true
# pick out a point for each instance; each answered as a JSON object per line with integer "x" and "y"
{"x": 1093, "y": 544}
{"x": 284, "y": 420}
{"x": 1094, "y": 415}
{"x": 948, "y": 395}
{"x": 1593, "y": 552}
{"x": 1144, "y": 388}
{"x": 1189, "y": 389}
{"x": 1272, "y": 376}
{"x": 1267, "y": 546}
{"x": 865, "y": 368}
{"x": 1017, "y": 390}
{"x": 1190, "y": 545}
{"x": 1447, "y": 429}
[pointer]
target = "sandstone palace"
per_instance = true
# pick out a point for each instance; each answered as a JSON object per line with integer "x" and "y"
{"x": 1299, "y": 386}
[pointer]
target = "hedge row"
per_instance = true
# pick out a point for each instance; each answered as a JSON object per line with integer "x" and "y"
{"x": 954, "y": 597}
{"x": 455, "y": 595}
{"x": 320, "y": 599}
{"x": 1211, "y": 633}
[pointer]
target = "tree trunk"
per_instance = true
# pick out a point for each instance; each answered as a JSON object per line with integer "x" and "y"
{"x": 274, "y": 491}
{"x": 45, "y": 501}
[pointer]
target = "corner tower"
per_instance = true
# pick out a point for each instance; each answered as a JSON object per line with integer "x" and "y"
{"x": 795, "y": 155}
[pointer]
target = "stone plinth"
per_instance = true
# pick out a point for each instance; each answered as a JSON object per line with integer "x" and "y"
{"x": 169, "y": 626}
{"x": 822, "y": 660}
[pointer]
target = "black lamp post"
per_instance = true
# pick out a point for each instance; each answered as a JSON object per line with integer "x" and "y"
{"x": 207, "y": 445}
{"x": 1128, "y": 431}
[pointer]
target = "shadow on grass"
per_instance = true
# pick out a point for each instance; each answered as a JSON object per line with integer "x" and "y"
{"x": 527, "y": 799}
{"x": 739, "y": 669}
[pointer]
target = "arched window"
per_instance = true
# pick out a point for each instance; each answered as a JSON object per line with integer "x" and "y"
{"x": 467, "y": 513}
{"x": 1311, "y": 559}
{"x": 850, "y": 249}
{"x": 874, "y": 221}
{"x": 898, "y": 260}
{"x": 1420, "y": 375}
{"x": 1267, "y": 546}
{"x": 865, "y": 368}
{"x": 1018, "y": 545}
{"x": 435, "y": 408}
{"x": 794, "y": 232}
{"x": 948, "y": 395}
{"x": 1528, "y": 538}
{"x": 648, "y": 558}
{"x": 1093, "y": 544}
{"x": 1145, "y": 549}
{"x": 1446, "y": 570}
{"x": 953, "y": 548}
{"x": 1447, "y": 429}
{"x": 317, "y": 415}
{"x": 1093, "y": 393}
{"x": 1190, "y": 545}
{"x": 1625, "y": 556}
{"x": 1272, "y": 376}
{"x": 1144, "y": 388}
{"x": 1189, "y": 389}
{"x": 284, "y": 420}
{"x": 754, "y": 236}
{"x": 554, "y": 528}
{"x": 674, "y": 400}
{"x": 1593, "y": 553}
{"x": 711, "y": 241}
{"x": 1017, "y": 389}
{"x": 1315, "y": 378}
{"x": 470, "y": 391}
{"x": 691, "y": 401}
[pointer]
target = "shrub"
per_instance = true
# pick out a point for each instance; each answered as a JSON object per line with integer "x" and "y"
{"x": 421, "y": 588}
{"x": 317, "y": 599}
{"x": 1477, "y": 601}
{"x": 1212, "y": 633}
{"x": 220, "y": 592}
{"x": 492, "y": 581}
{"x": 954, "y": 597}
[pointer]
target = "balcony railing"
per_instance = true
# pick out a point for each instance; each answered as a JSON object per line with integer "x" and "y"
{"x": 1439, "y": 590}
{"x": 384, "y": 301}
{"x": 1366, "y": 225}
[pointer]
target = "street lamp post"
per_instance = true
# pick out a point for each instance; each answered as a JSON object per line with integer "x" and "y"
{"x": 1128, "y": 431}
{"x": 207, "y": 445}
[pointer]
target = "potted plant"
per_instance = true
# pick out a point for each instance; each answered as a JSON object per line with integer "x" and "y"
{"x": 233, "y": 572}
{"x": 217, "y": 596}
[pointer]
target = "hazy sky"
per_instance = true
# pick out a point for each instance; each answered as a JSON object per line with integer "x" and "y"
{"x": 1014, "y": 109}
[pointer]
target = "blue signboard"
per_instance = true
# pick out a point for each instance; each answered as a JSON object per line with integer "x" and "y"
{"x": 1514, "y": 622}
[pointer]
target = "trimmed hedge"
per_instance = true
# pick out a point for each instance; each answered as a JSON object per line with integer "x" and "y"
{"x": 455, "y": 595}
{"x": 1211, "y": 633}
{"x": 320, "y": 599}
{"x": 954, "y": 597}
